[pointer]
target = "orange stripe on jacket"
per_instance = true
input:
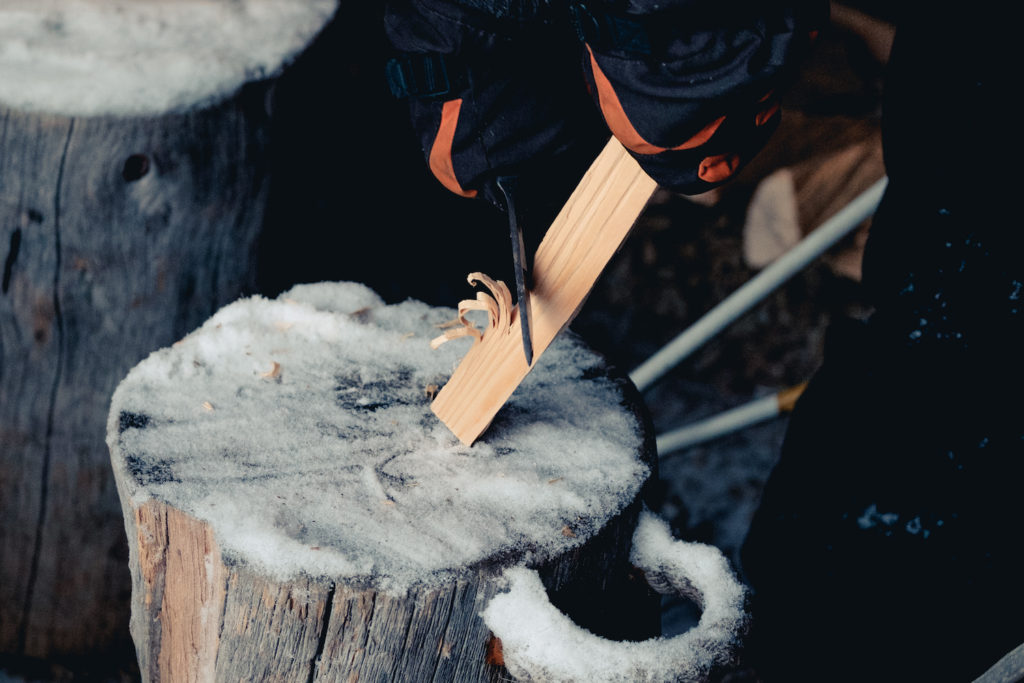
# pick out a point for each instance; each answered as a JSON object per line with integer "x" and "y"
{"x": 765, "y": 115}
{"x": 440, "y": 160}
{"x": 623, "y": 129}
{"x": 717, "y": 168}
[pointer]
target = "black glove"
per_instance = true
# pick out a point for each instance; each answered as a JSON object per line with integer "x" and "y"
{"x": 494, "y": 89}
{"x": 690, "y": 87}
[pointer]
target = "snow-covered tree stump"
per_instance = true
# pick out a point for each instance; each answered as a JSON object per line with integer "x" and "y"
{"x": 296, "y": 512}
{"x": 132, "y": 180}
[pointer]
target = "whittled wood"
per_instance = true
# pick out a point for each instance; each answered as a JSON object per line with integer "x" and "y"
{"x": 587, "y": 232}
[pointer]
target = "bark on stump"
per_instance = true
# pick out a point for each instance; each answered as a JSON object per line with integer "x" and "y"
{"x": 129, "y": 211}
{"x": 295, "y": 512}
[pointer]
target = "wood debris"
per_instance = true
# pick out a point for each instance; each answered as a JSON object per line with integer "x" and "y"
{"x": 494, "y": 655}
{"x": 497, "y": 303}
{"x": 273, "y": 373}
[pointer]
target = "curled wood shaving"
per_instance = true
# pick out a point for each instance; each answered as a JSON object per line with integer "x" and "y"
{"x": 207, "y": 406}
{"x": 273, "y": 373}
{"x": 497, "y": 303}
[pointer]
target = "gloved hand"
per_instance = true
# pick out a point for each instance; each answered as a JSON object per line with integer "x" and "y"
{"x": 690, "y": 87}
{"x": 493, "y": 87}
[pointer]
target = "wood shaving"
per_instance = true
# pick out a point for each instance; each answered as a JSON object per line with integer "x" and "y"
{"x": 497, "y": 304}
{"x": 431, "y": 391}
{"x": 273, "y": 373}
{"x": 567, "y": 532}
{"x": 207, "y": 406}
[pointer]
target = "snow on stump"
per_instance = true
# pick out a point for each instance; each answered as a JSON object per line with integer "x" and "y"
{"x": 132, "y": 183}
{"x": 540, "y": 643}
{"x": 296, "y": 512}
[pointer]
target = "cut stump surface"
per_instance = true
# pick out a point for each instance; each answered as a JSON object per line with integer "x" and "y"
{"x": 286, "y": 489}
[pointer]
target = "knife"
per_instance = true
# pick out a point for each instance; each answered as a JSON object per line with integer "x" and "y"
{"x": 507, "y": 185}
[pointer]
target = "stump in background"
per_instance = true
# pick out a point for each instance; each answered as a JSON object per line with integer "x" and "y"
{"x": 131, "y": 196}
{"x": 295, "y": 512}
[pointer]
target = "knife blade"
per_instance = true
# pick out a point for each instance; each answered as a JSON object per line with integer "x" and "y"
{"x": 507, "y": 185}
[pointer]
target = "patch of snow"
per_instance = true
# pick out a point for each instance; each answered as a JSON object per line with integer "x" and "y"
{"x": 539, "y": 643}
{"x": 300, "y": 429}
{"x": 139, "y": 57}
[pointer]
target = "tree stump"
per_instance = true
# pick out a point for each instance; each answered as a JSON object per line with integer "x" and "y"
{"x": 132, "y": 182}
{"x": 296, "y": 512}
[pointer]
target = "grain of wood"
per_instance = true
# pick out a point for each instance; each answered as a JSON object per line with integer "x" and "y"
{"x": 208, "y": 605}
{"x": 101, "y": 266}
{"x": 584, "y": 236}
{"x": 196, "y": 619}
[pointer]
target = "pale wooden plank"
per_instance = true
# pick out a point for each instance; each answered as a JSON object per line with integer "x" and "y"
{"x": 587, "y": 232}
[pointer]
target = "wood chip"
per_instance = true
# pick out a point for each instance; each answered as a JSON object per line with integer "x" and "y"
{"x": 494, "y": 655}
{"x": 273, "y": 373}
{"x": 567, "y": 532}
{"x": 431, "y": 391}
{"x": 207, "y": 406}
{"x": 362, "y": 315}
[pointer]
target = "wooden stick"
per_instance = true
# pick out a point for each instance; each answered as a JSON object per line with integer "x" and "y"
{"x": 758, "y": 287}
{"x": 584, "y": 236}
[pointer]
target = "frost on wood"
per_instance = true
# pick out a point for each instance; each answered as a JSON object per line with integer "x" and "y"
{"x": 300, "y": 431}
{"x": 539, "y": 643}
{"x": 143, "y": 57}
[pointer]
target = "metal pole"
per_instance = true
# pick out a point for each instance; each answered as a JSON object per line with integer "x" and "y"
{"x": 760, "y": 286}
{"x": 730, "y": 421}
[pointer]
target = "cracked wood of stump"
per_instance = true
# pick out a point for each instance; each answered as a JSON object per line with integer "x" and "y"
{"x": 587, "y": 232}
